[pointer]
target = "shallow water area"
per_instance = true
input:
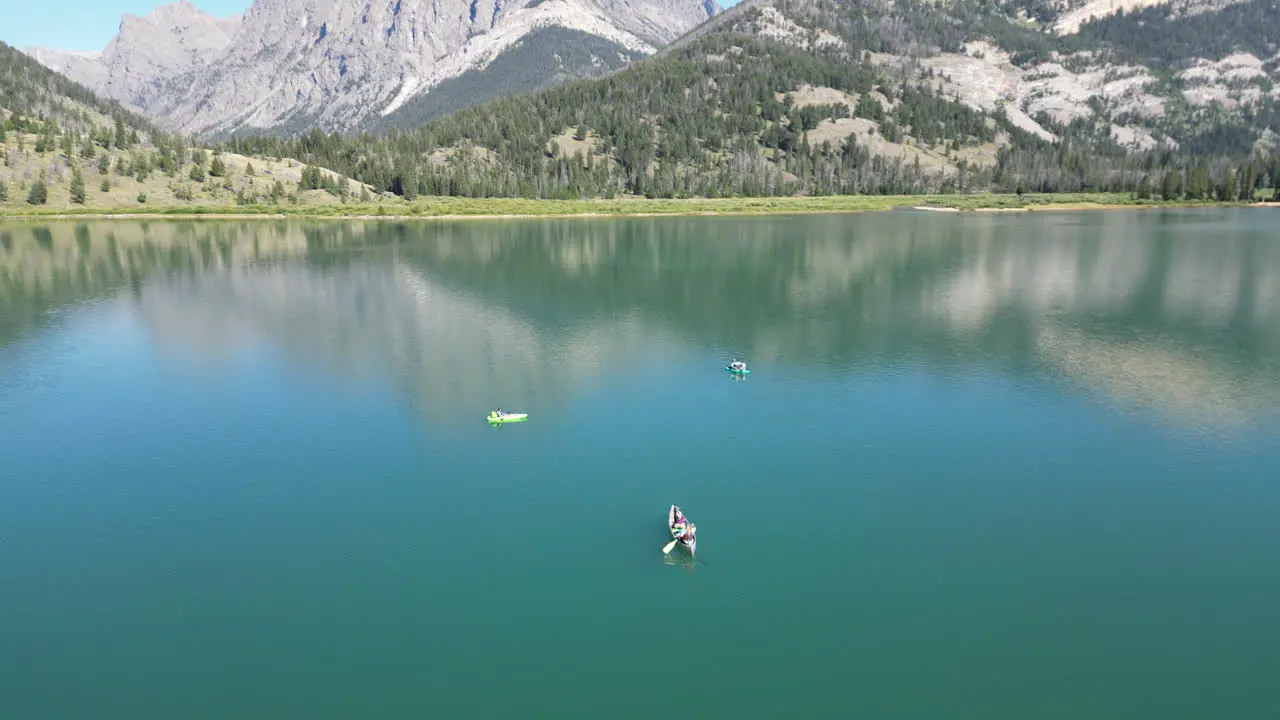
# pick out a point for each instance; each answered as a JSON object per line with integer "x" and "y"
{"x": 984, "y": 466}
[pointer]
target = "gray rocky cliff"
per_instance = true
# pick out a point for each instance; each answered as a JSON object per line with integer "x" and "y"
{"x": 335, "y": 64}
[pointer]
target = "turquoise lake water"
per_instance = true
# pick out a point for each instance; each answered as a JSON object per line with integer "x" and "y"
{"x": 1016, "y": 466}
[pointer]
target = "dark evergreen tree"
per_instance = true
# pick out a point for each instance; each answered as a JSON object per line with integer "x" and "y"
{"x": 76, "y": 187}
{"x": 39, "y": 193}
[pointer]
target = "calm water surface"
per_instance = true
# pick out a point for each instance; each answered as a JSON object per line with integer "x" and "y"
{"x": 984, "y": 467}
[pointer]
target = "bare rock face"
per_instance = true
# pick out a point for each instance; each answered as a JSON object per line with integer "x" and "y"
{"x": 335, "y": 64}
{"x": 85, "y": 68}
{"x": 658, "y": 22}
{"x": 148, "y": 52}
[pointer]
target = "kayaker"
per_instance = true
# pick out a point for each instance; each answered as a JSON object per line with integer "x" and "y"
{"x": 499, "y": 413}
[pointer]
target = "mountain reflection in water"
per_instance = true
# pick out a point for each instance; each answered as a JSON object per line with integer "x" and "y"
{"x": 1175, "y": 313}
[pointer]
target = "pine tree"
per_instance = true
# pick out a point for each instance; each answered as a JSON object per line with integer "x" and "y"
{"x": 1143, "y": 190}
{"x": 121, "y": 138}
{"x": 1227, "y": 188}
{"x": 39, "y": 193}
{"x": 1169, "y": 188}
{"x": 4, "y": 192}
{"x": 217, "y": 168}
{"x": 104, "y": 163}
{"x": 77, "y": 187}
{"x": 105, "y": 186}
{"x": 1248, "y": 182}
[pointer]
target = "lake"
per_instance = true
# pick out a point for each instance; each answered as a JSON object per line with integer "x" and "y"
{"x": 985, "y": 466}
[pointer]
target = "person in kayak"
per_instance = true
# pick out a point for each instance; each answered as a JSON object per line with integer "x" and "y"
{"x": 738, "y": 364}
{"x": 499, "y": 413}
{"x": 681, "y": 525}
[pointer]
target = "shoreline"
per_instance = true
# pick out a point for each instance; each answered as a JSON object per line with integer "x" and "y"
{"x": 452, "y": 209}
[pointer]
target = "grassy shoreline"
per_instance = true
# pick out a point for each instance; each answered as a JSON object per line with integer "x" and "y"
{"x": 452, "y": 208}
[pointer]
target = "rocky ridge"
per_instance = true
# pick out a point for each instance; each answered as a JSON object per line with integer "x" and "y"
{"x": 1070, "y": 86}
{"x": 338, "y": 64}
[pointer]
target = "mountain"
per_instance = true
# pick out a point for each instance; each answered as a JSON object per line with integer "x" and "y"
{"x": 139, "y": 64}
{"x": 85, "y": 68}
{"x": 876, "y": 96}
{"x": 292, "y": 65}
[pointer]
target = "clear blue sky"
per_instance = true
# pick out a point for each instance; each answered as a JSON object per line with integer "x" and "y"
{"x": 84, "y": 24}
{"x": 89, "y": 24}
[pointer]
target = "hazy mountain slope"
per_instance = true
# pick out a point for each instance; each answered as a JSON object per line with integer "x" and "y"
{"x": 147, "y": 54}
{"x": 63, "y": 147}
{"x": 338, "y": 64}
{"x": 85, "y": 68}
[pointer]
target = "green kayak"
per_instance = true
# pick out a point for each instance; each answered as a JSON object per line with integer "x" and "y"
{"x": 507, "y": 417}
{"x": 743, "y": 371}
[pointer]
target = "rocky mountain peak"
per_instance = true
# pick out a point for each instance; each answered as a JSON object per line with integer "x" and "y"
{"x": 168, "y": 42}
{"x": 173, "y": 34}
{"x": 336, "y": 63}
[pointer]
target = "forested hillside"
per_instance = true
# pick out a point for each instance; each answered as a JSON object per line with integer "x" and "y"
{"x": 63, "y": 147}
{"x": 868, "y": 96}
{"x": 30, "y": 90}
